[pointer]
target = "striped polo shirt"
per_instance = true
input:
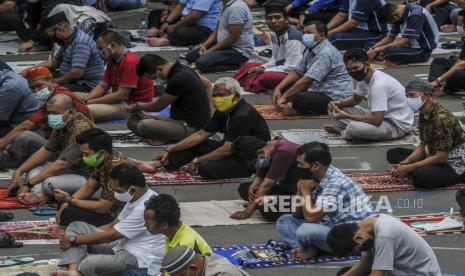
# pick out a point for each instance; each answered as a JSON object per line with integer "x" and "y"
{"x": 364, "y": 11}
{"x": 80, "y": 51}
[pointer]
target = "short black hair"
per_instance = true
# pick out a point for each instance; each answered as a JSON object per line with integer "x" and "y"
{"x": 128, "y": 175}
{"x": 149, "y": 63}
{"x": 386, "y": 13}
{"x": 166, "y": 209}
{"x": 320, "y": 27}
{"x": 244, "y": 148}
{"x": 276, "y": 8}
{"x": 341, "y": 239}
{"x": 355, "y": 54}
{"x": 315, "y": 152}
{"x": 97, "y": 139}
{"x": 111, "y": 37}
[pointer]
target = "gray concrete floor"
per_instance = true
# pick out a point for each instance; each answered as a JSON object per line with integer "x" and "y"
{"x": 449, "y": 250}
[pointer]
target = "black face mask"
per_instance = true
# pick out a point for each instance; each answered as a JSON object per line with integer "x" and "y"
{"x": 359, "y": 75}
{"x": 304, "y": 173}
{"x": 58, "y": 41}
{"x": 367, "y": 245}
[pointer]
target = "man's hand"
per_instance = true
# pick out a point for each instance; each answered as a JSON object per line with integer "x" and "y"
{"x": 170, "y": 29}
{"x": 282, "y": 101}
{"x": 16, "y": 181}
{"x": 275, "y": 98}
{"x": 289, "y": 8}
{"x": 429, "y": 7}
{"x": 192, "y": 167}
{"x": 162, "y": 157}
{"x": 306, "y": 185}
{"x": 252, "y": 190}
{"x": 61, "y": 196}
{"x": 333, "y": 105}
{"x": 435, "y": 84}
{"x": 340, "y": 114}
{"x": 163, "y": 28}
{"x": 257, "y": 70}
{"x": 58, "y": 215}
{"x": 401, "y": 170}
{"x": 131, "y": 108}
{"x": 372, "y": 54}
{"x": 202, "y": 50}
{"x": 65, "y": 243}
{"x": 240, "y": 215}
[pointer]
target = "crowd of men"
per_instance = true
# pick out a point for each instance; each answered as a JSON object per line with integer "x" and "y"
{"x": 114, "y": 223}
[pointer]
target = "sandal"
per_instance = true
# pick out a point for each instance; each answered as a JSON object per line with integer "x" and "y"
{"x": 45, "y": 212}
{"x": 266, "y": 53}
{"x": 5, "y": 216}
{"x": 43, "y": 206}
{"x": 10, "y": 261}
{"x": 7, "y": 241}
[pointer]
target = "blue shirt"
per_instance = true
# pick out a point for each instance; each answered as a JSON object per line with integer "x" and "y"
{"x": 335, "y": 189}
{"x": 365, "y": 12}
{"x": 418, "y": 25}
{"x": 318, "y": 5}
{"x": 209, "y": 7}
{"x": 80, "y": 51}
{"x": 325, "y": 65}
{"x": 17, "y": 103}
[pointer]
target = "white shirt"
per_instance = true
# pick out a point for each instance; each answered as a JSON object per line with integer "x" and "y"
{"x": 385, "y": 93}
{"x": 138, "y": 241}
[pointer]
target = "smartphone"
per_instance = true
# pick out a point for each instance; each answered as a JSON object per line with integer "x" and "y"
{"x": 50, "y": 186}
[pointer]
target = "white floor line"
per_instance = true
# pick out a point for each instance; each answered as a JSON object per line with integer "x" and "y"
{"x": 449, "y": 248}
{"x": 345, "y": 158}
{"x": 364, "y": 166}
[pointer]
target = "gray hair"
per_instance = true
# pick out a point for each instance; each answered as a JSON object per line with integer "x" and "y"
{"x": 230, "y": 84}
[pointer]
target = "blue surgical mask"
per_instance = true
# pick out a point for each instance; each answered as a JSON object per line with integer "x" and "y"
{"x": 309, "y": 40}
{"x": 56, "y": 121}
{"x": 43, "y": 94}
{"x": 415, "y": 103}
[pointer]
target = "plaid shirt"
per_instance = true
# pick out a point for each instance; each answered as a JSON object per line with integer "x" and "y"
{"x": 336, "y": 188}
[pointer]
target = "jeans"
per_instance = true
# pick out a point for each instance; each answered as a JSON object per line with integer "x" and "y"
{"x": 442, "y": 14}
{"x": 189, "y": 35}
{"x": 298, "y": 233}
{"x": 25, "y": 145}
{"x": 124, "y": 4}
{"x": 355, "y": 38}
{"x": 405, "y": 55}
{"x": 160, "y": 128}
{"x": 216, "y": 61}
{"x": 136, "y": 272}
{"x": 426, "y": 177}
{"x": 73, "y": 213}
{"x": 226, "y": 167}
{"x": 314, "y": 103}
{"x": 441, "y": 65}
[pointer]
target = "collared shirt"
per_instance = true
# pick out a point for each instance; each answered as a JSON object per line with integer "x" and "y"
{"x": 419, "y": 26}
{"x": 101, "y": 175}
{"x": 63, "y": 141}
{"x": 287, "y": 51}
{"x": 343, "y": 197}
{"x": 237, "y": 13}
{"x": 17, "y": 103}
{"x": 325, "y": 65}
{"x": 122, "y": 73}
{"x": 218, "y": 265}
{"x": 440, "y": 130}
{"x": 365, "y": 12}
{"x": 80, "y": 51}
{"x": 210, "y": 8}
{"x": 318, "y": 5}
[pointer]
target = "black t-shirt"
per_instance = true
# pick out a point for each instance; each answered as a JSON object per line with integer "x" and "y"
{"x": 462, "y": 52}
{"x": 192, "y": 105}
{"x": 243, "y": 120}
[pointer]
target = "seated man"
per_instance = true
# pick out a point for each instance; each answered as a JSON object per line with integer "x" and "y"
{"x": 120, "y": 76}
{"x": 122, "y": 244}
{"x": 388, "y": 247}
{"x": 287, "y": 48}
{"x": 330, "y": 198}
{"x": 17, "y": 103}
{"x": 231, "y": 45}
{"x": 181, "y": 260}
{"x": 357, "y": 24}
{"x": 447, "y": 75}
{"x": 186, "y": 95}
{"x": 320, "y": 78}
{"x": 460, "y": 197}
{"x": 418, "y": 35}
{"x": 445, "y": 11}
{"x": 321, "y": 10}
{"x": 98, "y": 154}
{"x": 439, "y": 159}
{"x": 9, "y": 18}
{"x": 24, "y": 140}
{"x": 388, "y": 115}
{"x": 67, "y": 171}
{"x": 79, "y": 63}
{"x": 212, "y": 159}
{"x": 162, "y": 216}
{"x": 189, "y": 23}
{"x": 276, "y": 173}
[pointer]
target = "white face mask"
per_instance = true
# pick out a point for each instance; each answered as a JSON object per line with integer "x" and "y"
{"x": 125, "y": 197}
{"x": 415, "y": 103}
{"x": 43, "y": 94}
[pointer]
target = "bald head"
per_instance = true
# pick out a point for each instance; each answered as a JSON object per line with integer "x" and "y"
{"x": 59, "y": 104}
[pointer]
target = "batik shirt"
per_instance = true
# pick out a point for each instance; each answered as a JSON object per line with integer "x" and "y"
{"x": 441, "y": 131}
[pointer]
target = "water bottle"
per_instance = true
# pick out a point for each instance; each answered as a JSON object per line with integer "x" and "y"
{"x": 143, "y": 28}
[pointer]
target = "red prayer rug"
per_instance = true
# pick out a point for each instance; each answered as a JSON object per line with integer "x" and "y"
{"x": 30, "y": 230}
{"x": 417, "y": 220}
{"x": 269, "y": 112}
{"x": 10, "y": 202}
{"x": 182, "y": 177}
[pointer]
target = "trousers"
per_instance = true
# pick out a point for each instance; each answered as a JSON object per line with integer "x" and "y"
{"x": 313, "y": 103}
{"x": 355, "y": 38}
{"x": 67, "y": 182}
{"x": 216, "y": 61}
{"x": 73, "y": 213}
{"x": 25, "y": 145}
{"x": 264, "y": 82}
{"x": 405, "y": 55}
{"x": 159, "y": 128}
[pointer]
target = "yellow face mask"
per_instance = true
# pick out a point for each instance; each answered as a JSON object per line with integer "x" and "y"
{"x": 224, "y": 103}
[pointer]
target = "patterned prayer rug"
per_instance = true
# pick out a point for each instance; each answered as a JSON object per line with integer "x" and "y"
{"x": 432, "y": 218}
{"x": 29, "y": 230}
{"x": 182, "y": 177}
{"x": 385, "y": 182}
{"x": 41, "y": 269}
{"x": 269, "y": 112}
{"x": 127, "y": 139}
{"x": 10, "y": 202}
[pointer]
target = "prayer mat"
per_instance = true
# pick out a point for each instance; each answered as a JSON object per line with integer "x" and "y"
{"x": 302, "y": 136}
{"x": 181, "y": 177}
{"x": 385, "y": 182}
{"x": 269, "y": 112}
{"x": 11, "y": 48}
{"x": 143, "y": 47}
{"x": 269, "y": 255}
{"x": 127, "y": 139}
{"x": 417, "y": 220}
{"x": 31, "y": 232}
{"x": 41, "y": 269}
{"x": 10, "y": 202}
{"x": 216, "y": 212}
{"x": 19, "y": 66}
{"x": 381, "y": 65}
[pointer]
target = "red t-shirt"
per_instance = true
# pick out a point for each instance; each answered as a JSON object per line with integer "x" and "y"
{"x": 123, "y": 74}
{"x": 40, "y": 118}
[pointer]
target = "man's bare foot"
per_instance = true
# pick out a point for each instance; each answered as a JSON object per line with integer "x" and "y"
{"x": 287, "y": 110}
{"x": 157, "y": 42}
{"x": 32, "y": 198}
{"x": 155, "y": 142}
{"x": 65, "y": 273}
{"x": 25, "y": 46}
{"x": 332, "y": 129}
{"x": 389, "y": 63}
{"x": 56, "y": 231}
{"x": 448, "y": 28}
{"x": 303, "y": 254}
{"x": 38, "y": 48}
{"x": 152, "y": 32}
{"x": 439, "y": 92}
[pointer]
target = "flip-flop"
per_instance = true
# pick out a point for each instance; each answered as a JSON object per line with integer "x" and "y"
{"x": 10, "y": 261}
{"x": 45, "y": 212}
{"x": 5, "y": 216}
{"x": 40, "y": 207}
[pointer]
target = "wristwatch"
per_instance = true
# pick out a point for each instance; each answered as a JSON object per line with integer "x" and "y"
{"x": 195, "y": 161}
{"x": 439, "y": 80}
{"x": 72, "y": 239}
{"x": 28, "y": 183}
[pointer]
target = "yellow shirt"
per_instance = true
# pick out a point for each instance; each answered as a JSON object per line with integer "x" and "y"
{"x": 188, "y": 237}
